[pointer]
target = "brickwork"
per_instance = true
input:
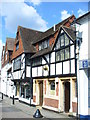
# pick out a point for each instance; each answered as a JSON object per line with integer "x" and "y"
{"x": 16, "y": 53}
{"x": 51, "y": 102}
{"x": 74, "y": 106}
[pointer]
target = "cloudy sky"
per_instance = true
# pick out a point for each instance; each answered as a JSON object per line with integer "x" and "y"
{"x": 35, "y": 14}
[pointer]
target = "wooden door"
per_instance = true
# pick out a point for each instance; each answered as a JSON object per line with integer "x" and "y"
{"x": 67, "y": 96}
{"x": 41, "y": 93}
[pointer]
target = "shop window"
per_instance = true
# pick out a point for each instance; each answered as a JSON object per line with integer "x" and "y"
{"x": 22, "y": 92}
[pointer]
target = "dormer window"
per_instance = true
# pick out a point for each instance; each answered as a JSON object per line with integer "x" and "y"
{"x": 17, "y": 45}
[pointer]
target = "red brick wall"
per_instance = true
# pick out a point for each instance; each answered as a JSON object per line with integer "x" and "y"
{"x": 52, "y": 39}
{"x": 45, "y": 86}
{"x": 20, "y": 50}
{"x": 34, "y": 98}
{"x": 74, "y": 106}
{"x": 51, "y": 102}
{"x": 57, "y": 89}
{"x": 37, "y": 47}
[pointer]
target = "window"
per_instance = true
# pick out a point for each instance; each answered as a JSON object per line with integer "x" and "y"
{"x": 58, "y": 43}
{"x": 67, "y": 53}
{"x": 62, "y": 40}
{"x": 66, "y": 40}
{"x": 17, "y": 46}
{"x": 45, "y": 44}
{"x": 37, "y": 61}
{"x": 17, "y": 63}
{"x": 40, "y": 46}
{"x": 62, "y": 54}
{"x": 58, "y": 56}
{"x": 53, "y": 85}
{"x": 22, "y": 92}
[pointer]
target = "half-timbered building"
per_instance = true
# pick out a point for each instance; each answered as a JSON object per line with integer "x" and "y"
{"x": 53, "y": 68}
{"x": 6, "y": 67}
{"x": 21, "y": 75}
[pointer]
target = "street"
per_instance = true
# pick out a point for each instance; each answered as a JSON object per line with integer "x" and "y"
{"x": 21, "y": 110}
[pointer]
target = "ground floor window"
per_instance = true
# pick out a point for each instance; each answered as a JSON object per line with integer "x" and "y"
{"x": 52, "y": 87}
{"x": 25, "y": 91}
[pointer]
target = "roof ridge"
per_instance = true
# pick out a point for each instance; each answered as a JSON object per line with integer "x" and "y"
{"x": 30, "y": 29}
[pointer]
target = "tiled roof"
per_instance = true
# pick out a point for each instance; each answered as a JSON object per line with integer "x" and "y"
{"x": 42, "y": 52}
{"x": 70, "y": 32}
{"x": 10, "y": 43}
{"x": 50, "y": 31}
{"x": 28, "y": 36}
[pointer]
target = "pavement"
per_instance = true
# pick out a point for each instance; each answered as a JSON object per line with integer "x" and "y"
{"x": 24, "y": 111}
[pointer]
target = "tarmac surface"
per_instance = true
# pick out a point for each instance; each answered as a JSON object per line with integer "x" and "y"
{"x": 22, "y": 111}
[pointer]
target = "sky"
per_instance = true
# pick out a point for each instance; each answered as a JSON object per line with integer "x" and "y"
{"x": 35, "y": 14}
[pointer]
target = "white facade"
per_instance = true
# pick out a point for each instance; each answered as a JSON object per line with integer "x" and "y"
{"x": 82, "y": 67}
{"x": 7, "y": 86}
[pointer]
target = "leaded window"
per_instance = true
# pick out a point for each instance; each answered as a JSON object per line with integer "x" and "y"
{"x": 58, "y": 56}
{"x": 62, "y": 40}
{"x": 67, "y": 53}
{"x": 17, "y": 63}
{"x": 62, "y": 54}
{"x": 66, "y": 40}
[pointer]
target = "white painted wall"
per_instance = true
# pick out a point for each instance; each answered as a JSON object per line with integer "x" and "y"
{"x": 83, "y": 74}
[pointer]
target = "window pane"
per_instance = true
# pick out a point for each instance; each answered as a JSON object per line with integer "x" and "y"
{"x": 57, "y": 55}
{"x": 40, "y": 46}
{"x": 66, "y": 40}
{"x": 62, "y": 54}
{"x": 17, "y": 46}
{"x": 67, "y": 53}
{"x": 52, "y": 85}
{"x": 58, "y": 43}
{"x": 45, "y": 44}
{"x": 62, "y": 40}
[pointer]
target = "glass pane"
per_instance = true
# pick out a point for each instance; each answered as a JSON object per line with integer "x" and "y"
{"x": 66, "y": 40}
{"x": 67, "y": 53}
{"x": 62, "y": 54}
{"x": 45, "y": 44}
{"x": 62, "y": 40}
{"x": 40, "y": 46}
{"x": 58, "y": 56}
{"x": 58, "y": 44}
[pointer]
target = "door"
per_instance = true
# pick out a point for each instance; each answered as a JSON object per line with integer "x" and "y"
{"x": 41, "y": 93}
{"x": 67, "y": 96}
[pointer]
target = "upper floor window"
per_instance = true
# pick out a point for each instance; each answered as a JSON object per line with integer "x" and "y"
{"x": 37, "y": 61}
{"x": 17, "y": 45}
{"x": 17, "y": 63}
{"x": 44, "y": 44}
{"x": 62, "y": 41}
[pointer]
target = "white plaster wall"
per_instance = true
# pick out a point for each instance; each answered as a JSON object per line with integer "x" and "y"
{"x": 72, "y": 66}
{"x": 28, "y": 71}
{"x": 47, "y": 57}
{"x": 52, "y": 69}
{"x": 39, "y": 71}
{"x": 59, "y": 68}
{"x": 83, "y": 92}
{"x": 83, "y": 53}
{"x": 66, "y": 67}
{"x": 83, "y": 74}
{"x": 52, "y": 57}
{"x": 34, "y": 72}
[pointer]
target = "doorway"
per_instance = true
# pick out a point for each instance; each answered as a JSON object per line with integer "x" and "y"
{"x": 67, "y": 96}
{"x": 40, "y": 93}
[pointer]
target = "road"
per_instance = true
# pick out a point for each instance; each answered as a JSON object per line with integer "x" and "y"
{"x": 22, "y": 111}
